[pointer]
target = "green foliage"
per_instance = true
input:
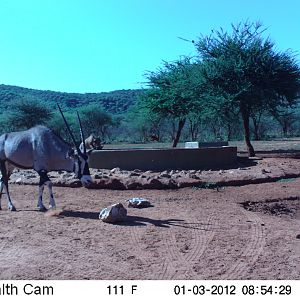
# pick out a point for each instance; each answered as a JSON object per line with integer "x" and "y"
{"x": 57, "y": 124}
{"x": 115, "y": 102}
{"x": 246, "y": 73}
{"x": 95, "y": 120}
{"x": 174, "y": 89}
{"x": 27, "y": 113}
{"x": 143, "y": 123}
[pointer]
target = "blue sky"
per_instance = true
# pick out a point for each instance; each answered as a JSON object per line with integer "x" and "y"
{"x": 96, "y": 45}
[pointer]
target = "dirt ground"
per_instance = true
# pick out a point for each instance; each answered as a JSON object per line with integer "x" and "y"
{"x": 233, "y": 232}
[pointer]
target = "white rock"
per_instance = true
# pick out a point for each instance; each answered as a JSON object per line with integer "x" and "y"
{"x": 138, "y": 202}
{"x": 114, "y": 170}
{"x": 113, "y": 213}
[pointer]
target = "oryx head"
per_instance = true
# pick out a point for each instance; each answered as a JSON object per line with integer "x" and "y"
{"x": 81, "y": 166}
{"x": 94, "y": 142}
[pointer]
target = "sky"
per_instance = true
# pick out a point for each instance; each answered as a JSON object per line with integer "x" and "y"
{"x": 104, "y": 45}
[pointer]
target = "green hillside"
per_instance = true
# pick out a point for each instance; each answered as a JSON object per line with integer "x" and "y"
{"x": 115, "y": 102}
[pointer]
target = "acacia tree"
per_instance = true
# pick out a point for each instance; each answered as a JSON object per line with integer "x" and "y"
{"x": 174, "y": 92}
{"x": 244, "y": 68}
{"x": 95, "y": 120}
{"x": 286, "y": 118}
{"x": 28, "y": 112}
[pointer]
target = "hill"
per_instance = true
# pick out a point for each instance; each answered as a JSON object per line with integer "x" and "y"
{"x": 115, "y": 102}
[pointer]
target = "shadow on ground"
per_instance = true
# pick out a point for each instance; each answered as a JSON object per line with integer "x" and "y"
{"x": 136, "y": 220}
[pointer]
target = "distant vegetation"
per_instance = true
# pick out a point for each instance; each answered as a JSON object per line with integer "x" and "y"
{"x": 113, "y": 102}
{"x": 239, "y": 86}
{"x": 21, "y": 108}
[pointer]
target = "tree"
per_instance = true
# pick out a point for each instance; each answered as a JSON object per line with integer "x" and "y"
{"x": 95, "y": 120}
{"x": 144, "y": 123}
{"x": 28, "y": 112}
{"x": 174, "y": 92}
{"x": 286, "y": 118}
{"x": 57, "y": 124}
{"x": 245, "y": 69}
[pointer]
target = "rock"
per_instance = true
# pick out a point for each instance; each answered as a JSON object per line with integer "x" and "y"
{"x": 134, "y": 174}
{"x": 165, "y": 175}
{"x": 183, "y": 173}
{"x": 154, "y": 183}
{"x": 172, "y": 184}
{"x": 18, "y": 180}
{"x": 115, "y": 184}
{"x": 32, "y": 176}
{"x": 66, "y": 175}
{"x": 194, "y": 176}
{"x": 134, "y": 185}
{"x": 115, "y": 170}
{"x": 176, "y": 176}
{"x": 148, "y": 172}
{"x": 172, "y": 172}
{"x": 72, "y": 183}
{"x": 138, "y": 202}
{"x": 113, "y": 213}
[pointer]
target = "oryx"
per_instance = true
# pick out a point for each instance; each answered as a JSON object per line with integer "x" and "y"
{"x": 93, "y": 143}
{"x": 39, "y": 148}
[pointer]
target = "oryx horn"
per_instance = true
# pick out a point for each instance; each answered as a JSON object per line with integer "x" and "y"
{"x": 81, "y": 133}
{"x": 68, "y": 127}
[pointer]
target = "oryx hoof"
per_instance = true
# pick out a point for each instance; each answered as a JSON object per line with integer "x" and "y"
{"x": 11, "y": 207}
{"x": 42, "y": 208}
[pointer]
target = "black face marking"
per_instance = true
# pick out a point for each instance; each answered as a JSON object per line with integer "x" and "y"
{"x": 79, "y": 175}
{"x": 86, "y": 170}
{"x": 81, "y": 159}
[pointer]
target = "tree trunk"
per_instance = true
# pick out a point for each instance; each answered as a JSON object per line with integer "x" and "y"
{"x": 178, "y": 133}
{"x": 255, "y": 130}
{"x": 250, "y": 148}
{"x": 285, "y": 128}
{"x": 193, "y": 131}
{"x": 256, "y": 124}
{"x": 229, "y": 131}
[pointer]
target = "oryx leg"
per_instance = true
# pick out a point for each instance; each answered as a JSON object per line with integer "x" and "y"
{"x": 4, "y": 186}
{"x": 45, "y": 181}
{"x": 1, "y": 190}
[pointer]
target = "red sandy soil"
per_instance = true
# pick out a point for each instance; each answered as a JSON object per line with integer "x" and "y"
{"x": 233, "y": 232}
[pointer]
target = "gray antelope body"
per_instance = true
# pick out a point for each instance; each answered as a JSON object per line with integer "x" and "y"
{"x": 39, "y": 148}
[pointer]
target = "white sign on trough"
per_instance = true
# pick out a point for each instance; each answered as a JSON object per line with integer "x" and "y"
{"x": 191, "y": 145}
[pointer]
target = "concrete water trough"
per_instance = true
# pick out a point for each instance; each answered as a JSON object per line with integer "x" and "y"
{"x": 164, "y": 159}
